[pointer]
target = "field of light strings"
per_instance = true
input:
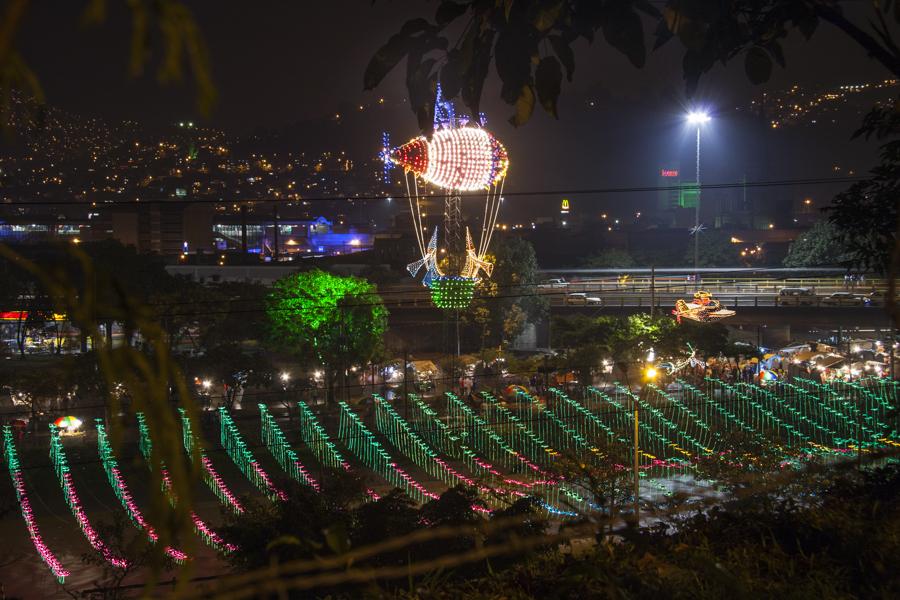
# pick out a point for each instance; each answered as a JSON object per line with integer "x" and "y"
{"x": 522, "y": 447}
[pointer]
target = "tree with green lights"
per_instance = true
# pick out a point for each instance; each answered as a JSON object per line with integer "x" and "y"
{"x": 327, "y": 319}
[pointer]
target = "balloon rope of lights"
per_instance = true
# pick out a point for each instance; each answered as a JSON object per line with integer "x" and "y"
{"x": 211, "y": 477}
{"x": 326, "y": 451}
{"x": 120, "y": 488}
{"x": 274, "y": 439}
{"x": 64, "y": 475}
{"x": 679, "y": 439}
{"x": 233, "y": 442}
{"x": 361, "y": 441}
{"x": 206, "y": 533}
{"x": 18, "y": 481}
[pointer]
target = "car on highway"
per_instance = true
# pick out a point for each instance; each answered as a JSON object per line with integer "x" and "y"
{"x": 795, "y": 296}
{"x": 581, "y": 298}
{"x": 877, "y": 297}
{"x": 845, "y": 299}
{"x": 553, "y": 283}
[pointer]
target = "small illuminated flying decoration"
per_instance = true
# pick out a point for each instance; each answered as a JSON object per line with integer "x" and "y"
{"x": 703, "y": 309}
{"x": 672, "y": 367}
{"x": 459, "y": 157}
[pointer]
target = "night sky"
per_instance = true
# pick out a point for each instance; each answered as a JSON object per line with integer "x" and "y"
{"x": 278, "y": 63}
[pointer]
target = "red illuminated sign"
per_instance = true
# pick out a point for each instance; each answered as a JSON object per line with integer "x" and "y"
{"x": 668, "y": 172}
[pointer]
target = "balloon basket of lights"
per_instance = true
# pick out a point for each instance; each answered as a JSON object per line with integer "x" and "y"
{"x": 452, "y": 292}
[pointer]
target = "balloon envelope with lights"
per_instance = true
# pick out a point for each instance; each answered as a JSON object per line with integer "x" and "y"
{"x": 458, "y": 158}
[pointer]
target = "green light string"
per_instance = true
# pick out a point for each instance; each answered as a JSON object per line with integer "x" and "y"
{"x": 235, "y": 447}
{"x": 649, "y": 439}
{"x": 317, "y": 439}
{"x": 486, "y": 439}
{"x": 211, "y": 477}
{"x": 201, "y": 528}
{"x": 427, "y": 423}
{"x": 761, "y": 420}
{"x": 522, "y": 437}
{"x": 690, "y": 419}
{"x": 847, "y": 413}
{"x": 362, "y": 442}
{"x": 837, "y": 431}
{"x": 760, "y": 417}
{"x": 683, "y": 443}
{"x": 452, "y": 292}
{"x": 713, "y": 409}
{"x": 877, "y": 406}
{"x": 552, "y": 427}
{"x": 584, "y": 421}
{"x": 532, "y": 446}
{"x": 67, "y": 483}
{"x": 120, "y": 488}
{"x": 398, "y": 432}
{"x": 18, "y": 481}
{"x": 778, "y": 410}
{"x": 274, "y": 439}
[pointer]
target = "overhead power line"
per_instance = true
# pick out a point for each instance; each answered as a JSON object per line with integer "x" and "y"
{"x": 508, "y": 194}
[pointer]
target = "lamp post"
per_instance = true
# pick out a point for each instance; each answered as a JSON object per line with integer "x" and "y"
{"x": 697, "y": 118}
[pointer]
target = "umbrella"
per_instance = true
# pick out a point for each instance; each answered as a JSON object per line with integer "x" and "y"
{"x": 68, "y": 422}
{"x": 512, "y": 390}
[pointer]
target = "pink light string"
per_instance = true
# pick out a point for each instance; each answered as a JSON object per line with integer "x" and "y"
{"x": 12, "y": 461}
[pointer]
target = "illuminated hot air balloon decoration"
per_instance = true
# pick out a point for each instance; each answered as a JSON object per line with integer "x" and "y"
{"x": 459, "y": 157}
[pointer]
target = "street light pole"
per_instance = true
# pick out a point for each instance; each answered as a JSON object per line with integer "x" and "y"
{"x": 697, "y": 215}
{"x": 697, "y": 118}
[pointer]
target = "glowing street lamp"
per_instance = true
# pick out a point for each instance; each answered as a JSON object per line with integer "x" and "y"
{"x": 697, "y": 118}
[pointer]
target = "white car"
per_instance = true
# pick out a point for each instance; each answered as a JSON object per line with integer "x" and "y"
{"x": 554, "y": 284}
{"x": 581, "y": 298}
{"x": 844, "y": 299}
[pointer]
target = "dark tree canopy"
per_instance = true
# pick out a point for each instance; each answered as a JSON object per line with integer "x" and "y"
{"x": 530, "y": 43}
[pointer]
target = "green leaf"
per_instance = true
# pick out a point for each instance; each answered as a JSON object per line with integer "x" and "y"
{"x": 663, "y": 34}
{"x": 336, "y": 538}
{"x": 385, "y": 59}
{"x": 623, "y": 31}
{"x": 516, "y": 45}
{"x": 284, "y": 540}
{"x": 451, "y": 74}
{"x": 524, "y": 107}
{"x": 564, "y": 53}
{"x": 475, "y": 75}
{"x": 777, "y": 53}
{"x": 547, "y": 16}
{"x": 807, "y": 25}
{"x": 548, "y": 81}
{"x": 758, "y": 65}
{"x": 449, "y": 11}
